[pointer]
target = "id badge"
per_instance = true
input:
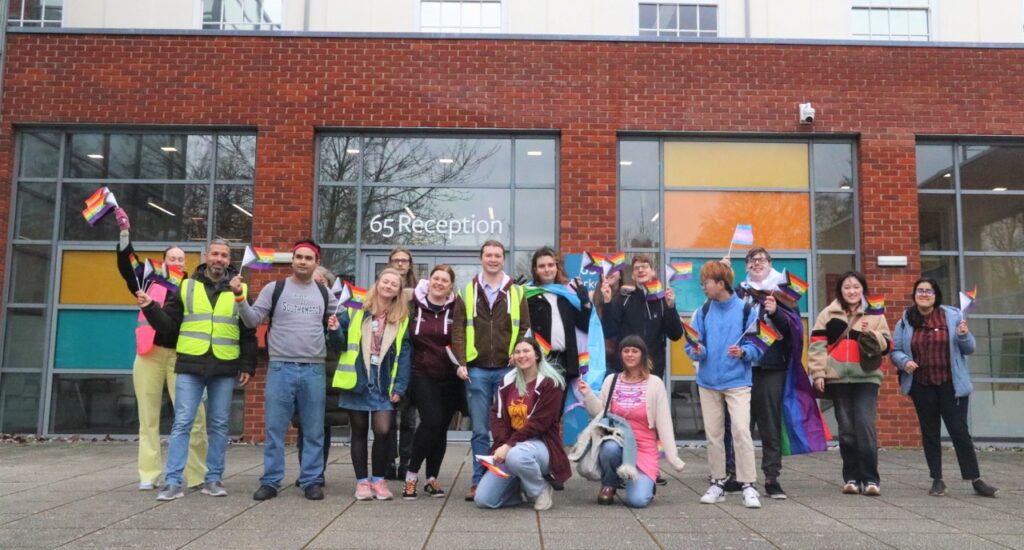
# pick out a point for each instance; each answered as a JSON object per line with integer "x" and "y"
{"x": 375, "y": 359}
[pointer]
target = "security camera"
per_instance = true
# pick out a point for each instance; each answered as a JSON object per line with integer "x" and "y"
{"x": 806, "y": 113}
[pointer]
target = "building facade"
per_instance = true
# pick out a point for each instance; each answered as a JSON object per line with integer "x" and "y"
{"x": 651, "y": 145}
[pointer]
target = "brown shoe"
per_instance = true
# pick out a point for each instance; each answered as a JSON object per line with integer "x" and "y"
{"x": 471, "y": 493}
{"x": 606, "y": 496}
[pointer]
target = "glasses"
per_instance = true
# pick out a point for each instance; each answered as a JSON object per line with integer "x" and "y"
{"x": 758, "y": 261}
{"x": 400, "y": 261}
{"x": 924, "y": 292}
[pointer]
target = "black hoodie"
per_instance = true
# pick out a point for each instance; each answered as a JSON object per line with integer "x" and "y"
{"x": 630, "y": 313}
{"x": 168, "y": 320}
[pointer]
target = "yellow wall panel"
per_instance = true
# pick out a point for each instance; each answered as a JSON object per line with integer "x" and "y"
{"x": 736, "y": 164}
{"x": 90, "y": 277}
{"x": 707, "y": 219}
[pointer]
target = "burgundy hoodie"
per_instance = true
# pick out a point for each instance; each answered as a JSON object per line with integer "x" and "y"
{"x": 432, "y": 330}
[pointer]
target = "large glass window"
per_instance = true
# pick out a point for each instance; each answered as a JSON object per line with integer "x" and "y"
{"x": 178, "y": 188}
{"x": 242, "y": 15}
{"x": 971, "y": 212}
{"x": 681, "y": 200}
{"x": 35, "y": 13}
{"x": 890, "y": 20}
{"x": 663, "y": 19}
{"x": 431, "y": 192}
{"x": 472, "y": 16}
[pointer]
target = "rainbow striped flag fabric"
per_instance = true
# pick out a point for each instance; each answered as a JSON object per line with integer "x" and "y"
{"x": 351, "y": 296}
{"x": 875, "y": 305}
{"x": 794, "y": 286}
{"x": 616, "y": 262}
{"x": 584, "y": 362}
{"x": 98, "y": 205}
{"x": 492, "y": 466}
{"x": 691, "y": 334}
{"x": 967, "y": 299}
{"x": 258, "y": 258}
{"x": 655, "y": 290}
{"x": 545, "y": 346}
{"x": 803, "y": 427}
{"x": 678, "y": 271}
{"x": 764, "y": 336}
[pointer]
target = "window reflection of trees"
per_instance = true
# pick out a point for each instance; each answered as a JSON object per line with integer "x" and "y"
{"x": 236, "y": 157}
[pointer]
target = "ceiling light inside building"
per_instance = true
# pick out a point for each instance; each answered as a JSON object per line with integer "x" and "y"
{"x": 352, "y": 151}
{"x": 655, "y": 218}
{"x": 490, "y": 212}
{"x": 411, "y": 215}
{"x": 160, "y": 208}
{"x": 95, "y": 156}
{"x": 242, "y": 210}
{"x": 625, "y": 163}
{"x": 534, "y": 153}
{"x": 169, "y": 149}
{"x": 844, "y": 186}
{"x": 947, "y": 175}
{"x": 446, "y": 161}
{"x": 999, "y": 189}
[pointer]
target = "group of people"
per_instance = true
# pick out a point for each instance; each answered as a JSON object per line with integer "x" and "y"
{"x": 424, "y": 350}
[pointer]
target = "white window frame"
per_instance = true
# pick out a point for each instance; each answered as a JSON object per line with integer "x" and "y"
{"x": 698, "y": 3}
{"x": 890, "y": 6}
{"x": 20, "y": 21}
{"x": 502, "y": 18}
{"x": 200, "y": 23}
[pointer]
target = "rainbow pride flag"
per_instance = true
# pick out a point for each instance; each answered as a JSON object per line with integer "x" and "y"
{"x": 803, "y": 426}
{"x": 967, "y": 299}
{"x": 794, "y": 286}
{"x": 98, "y": 205}
{"x": 691, "y": 334}
{"x": 258, "y": 258}
{"x": 744, "y": 235}
{"x": 875, "y": 305}
{"x": 351, "y": 296}
{"x": 493, "y": 467}
{"x": 678, "y": 271}
{"x": 173, "y": 275}
{"x": 764, "y": 337}
{"x": 616, "y": 262}
{"x": 545, "y": 346}
{"x": 589, "y": 261}
{"x": 655, "y": 290}
{"x": 584, "y": 362}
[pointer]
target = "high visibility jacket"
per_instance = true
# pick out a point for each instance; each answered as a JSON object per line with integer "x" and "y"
{"x": 204, "y": 325}
{"x": 144, "y": 333}
{"x": 345, "y": 377}
{"x": 469, "y": 296}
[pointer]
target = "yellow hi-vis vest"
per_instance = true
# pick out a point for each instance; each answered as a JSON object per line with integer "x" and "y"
{"x": 469, "y": 296}
{"x": 345, "y": 376}
{"x": 203, "y": 325}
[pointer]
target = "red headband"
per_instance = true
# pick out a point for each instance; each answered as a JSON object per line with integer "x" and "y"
{"x": 311, "y": 246}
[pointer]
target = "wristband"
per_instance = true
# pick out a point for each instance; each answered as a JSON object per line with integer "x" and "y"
{"x": 239, "y": 298}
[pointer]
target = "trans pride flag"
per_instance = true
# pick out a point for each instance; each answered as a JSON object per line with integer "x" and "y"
{"x": 803, "y": 426}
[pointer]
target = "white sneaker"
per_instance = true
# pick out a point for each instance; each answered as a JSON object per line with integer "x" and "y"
{"x": 714, "y": 494}
{"x": 147, "y": 485}
{"x": 750, "y": 497}
{"x": 543, "y": 501}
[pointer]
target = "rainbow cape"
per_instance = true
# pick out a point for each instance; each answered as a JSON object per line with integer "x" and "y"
{"x": 98, "y": 205}
{"x": 875, "y": 305}
{"x": 258, "y": 258}
{"x": 655, "y": 290}
{"x": 803, "y": 426}
{"x": 794, "y": 286}
{"x": 744, "y": 235}
{"x": 678, "y": 271}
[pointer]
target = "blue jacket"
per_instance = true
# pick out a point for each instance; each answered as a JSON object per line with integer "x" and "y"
{"x": 721, "y": 328}
{"x": 959, "y": 348}
{"x": 339, "y": 338}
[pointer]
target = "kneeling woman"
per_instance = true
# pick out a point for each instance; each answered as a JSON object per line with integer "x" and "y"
{"x": 373, "y": 375}
{"x": 637, "y": 400}
{"x": 527, "y": 440}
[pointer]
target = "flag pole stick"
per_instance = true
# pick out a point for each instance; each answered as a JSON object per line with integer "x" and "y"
{"x": 745, "y": 331}
{"x": 729, "y": 253}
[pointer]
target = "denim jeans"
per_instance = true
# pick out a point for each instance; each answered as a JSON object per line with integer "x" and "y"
{"x": 483, "y": 383}
{"x": 189, "y": 389}
{"x": 526, "y": 463}
{"x": 290, "y": 385}
{"x": 639, "y": 491}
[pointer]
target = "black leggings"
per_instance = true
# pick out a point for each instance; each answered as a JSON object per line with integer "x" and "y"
{"x": 436, "y": 401}
{"x": 360, "y": 421}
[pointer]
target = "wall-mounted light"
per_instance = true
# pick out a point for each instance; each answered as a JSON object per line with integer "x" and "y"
{"x": 892, "y": 261}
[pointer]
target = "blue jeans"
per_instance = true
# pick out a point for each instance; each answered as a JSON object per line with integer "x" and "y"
{"x": 639, "y": 491}
{"x": 189, "y": 389}
{"x": 526, "y": 463}
{"x": 483, "y": 383}
{"x": 290, "y": 385}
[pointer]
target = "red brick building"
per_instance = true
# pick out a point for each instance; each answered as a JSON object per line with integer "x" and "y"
{"x": 897, "y": 111}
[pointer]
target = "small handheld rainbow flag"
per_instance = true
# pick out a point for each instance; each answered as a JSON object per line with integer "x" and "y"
{"x": 98, "y": 205}
{"x": 967, "y": 299}
{"x": 691, "y": 334}
{"x": 151, "y": 268}
{"x": 616, "y": 262}
{"x": 764, "y": 337}
{"x": 545, "y": 346}
{"x": 488, "y": 462}
{"x": 590, "y": 261}
{"x": 173, "y": 275}
{"x": 351, "y": 296}
{"x": 794, "y": 286}
{"x": 744, "y": 235}
{"x": 655, "y": 290}
{"x": 875, "y": 305}
{"x": 584, "y": 362}
{"x": 337, "y": 288}
{"x": 678, "y": 271}
{"x": 258, "y": 258}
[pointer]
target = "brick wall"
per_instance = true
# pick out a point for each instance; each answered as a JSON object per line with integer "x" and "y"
{"x": 287, "y": 87}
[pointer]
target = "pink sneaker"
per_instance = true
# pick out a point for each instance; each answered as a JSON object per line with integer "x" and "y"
{"x": 122, "y": 219}
{"x": 364, "y": 490}
{"x": 380, "y": 488}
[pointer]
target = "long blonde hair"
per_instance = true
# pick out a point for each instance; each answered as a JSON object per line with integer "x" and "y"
{"x": 398, "y": 309}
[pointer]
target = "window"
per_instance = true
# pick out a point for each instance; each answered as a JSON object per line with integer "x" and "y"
{"x": 471, "y": 16}
{"x": 242, "y": 15}
{"x": 971, "y": 213}
{"x": 678, "y": 20}
{"x": 35, "y": 13}
{"x": 890, "y": 20}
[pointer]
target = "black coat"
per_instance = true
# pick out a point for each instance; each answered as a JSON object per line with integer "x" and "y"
{"x": 630, "y": 313}
{"x": 541, "y": 320}
{"x": 164, "y": 339}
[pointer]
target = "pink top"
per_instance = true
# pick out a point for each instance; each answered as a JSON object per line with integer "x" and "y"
{"x": 629, "y": 400}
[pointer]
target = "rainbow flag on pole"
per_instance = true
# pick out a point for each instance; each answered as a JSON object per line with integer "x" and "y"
{"x": 678, "y": 271}
{"x": 691, "y": 334}
{"x": 98, "y": 205}
{"x": 967, "y": 299}
{"x": 590, "y": 261}
{"x": 584, "y": 362}
{"x": 493, "y": 467}
{"x": 875, "y": 305}
{"x": 616, "y": 262}
{"x": 744, "y": 235}
{"x": 764, "y": 337}
{"x": 258, "y": 258}
{"x": 655, "y": 290}
{"x": 794, "y": 286}
{"x": 545, "y": 346}
{"x": 351, "y": 296}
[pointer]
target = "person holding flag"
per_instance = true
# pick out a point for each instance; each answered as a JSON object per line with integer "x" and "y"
{"x": 930, "y": 349}
{"x": 153, "y": 368}
{"x": 849, "y": 377}
{"x": 213, "y": 348}
{"x": 725, "y": 355}
{"x": 647, "y": 310}
{"x": 300, "y": 312}
{"x": 439, "y": 370}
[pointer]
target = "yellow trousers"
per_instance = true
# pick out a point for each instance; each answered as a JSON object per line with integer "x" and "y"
{"x": 150, "y": 373}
